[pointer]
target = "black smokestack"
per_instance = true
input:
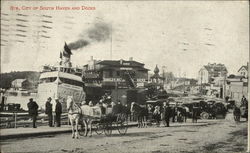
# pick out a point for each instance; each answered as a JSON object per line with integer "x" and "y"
{"x": 99, "y": 32}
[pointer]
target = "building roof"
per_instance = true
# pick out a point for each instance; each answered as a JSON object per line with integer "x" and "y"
{"x": 156, "y": 75}
{"x": 244, "y": 66}
{"x": 156, "y": 70}
{"x": 121, "y": 62}
{"x": 113, "y": 68}
{"x": 232, "y": 76}
{"x": 18, "y": 80}
{"x": 216, "y": 70}
{"x": 215, "y": 67}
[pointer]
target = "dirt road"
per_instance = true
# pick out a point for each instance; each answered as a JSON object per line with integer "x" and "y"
{"x": 218, "y": 136}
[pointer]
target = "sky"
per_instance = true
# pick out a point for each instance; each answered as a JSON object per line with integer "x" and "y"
{"x": 181, "y": 36}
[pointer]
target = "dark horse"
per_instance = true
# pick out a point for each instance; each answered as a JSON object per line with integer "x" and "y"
{"x": 141, "y": 114}
{"x": 181, "y": 114}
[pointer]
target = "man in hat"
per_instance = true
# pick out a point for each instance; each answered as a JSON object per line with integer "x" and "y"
{"x": 166, "y": 114}
{"x": 157, "y": 115}
{"x": 58, "y": 111}
{"x": 48, "y": 111}
{"x": 32, "y": 106}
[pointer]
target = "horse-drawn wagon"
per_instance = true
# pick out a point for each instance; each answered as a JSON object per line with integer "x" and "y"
{"x": 103, "y": 120}
{"x": 212, "y": 109}
{"x": 208, "y": 109}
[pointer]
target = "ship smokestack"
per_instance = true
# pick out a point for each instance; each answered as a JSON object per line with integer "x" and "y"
{"x": 65, "y": 55}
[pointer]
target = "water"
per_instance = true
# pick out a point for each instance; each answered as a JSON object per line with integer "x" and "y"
{"x": 22, "y": 100}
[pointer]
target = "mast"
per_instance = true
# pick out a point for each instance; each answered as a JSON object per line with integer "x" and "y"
{"x": 111, "y": 42}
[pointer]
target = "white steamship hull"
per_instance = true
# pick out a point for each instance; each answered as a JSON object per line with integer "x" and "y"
{"x": 59, "y": 85}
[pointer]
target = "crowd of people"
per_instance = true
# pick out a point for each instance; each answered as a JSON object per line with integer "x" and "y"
{"x": 161, "y": 112}
{"x": 174, "y": 113}
{"x": 33, "y": 112}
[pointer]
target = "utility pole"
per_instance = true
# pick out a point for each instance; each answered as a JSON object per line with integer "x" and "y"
{"x": 0, "y": 61}
{"x": 248, "y": 135}
{"x": 111, "y": 29}
{"x": 163, "y": 75}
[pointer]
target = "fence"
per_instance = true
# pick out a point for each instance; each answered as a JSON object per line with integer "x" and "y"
{"x": 22, "y": 119}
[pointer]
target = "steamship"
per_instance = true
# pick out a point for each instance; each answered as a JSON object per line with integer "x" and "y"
{"x": 61, "y": 81}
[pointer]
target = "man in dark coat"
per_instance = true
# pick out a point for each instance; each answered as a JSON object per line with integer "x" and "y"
{"x": 32, "y": 106}
{"x": 166, "y": 113}
{"x": 58, "y": 112}
{"x": 195, "y": 114}
{"x": 48, "y": 111}
{"x": 173, "y": 111}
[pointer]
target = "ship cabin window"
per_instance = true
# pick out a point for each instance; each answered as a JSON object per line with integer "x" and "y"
{"x": 71, "y": 82}
{"x": 47, "y": 80}
{"x": 64, "y": 69}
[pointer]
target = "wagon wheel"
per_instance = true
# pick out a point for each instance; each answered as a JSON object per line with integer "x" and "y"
{"x": 122, "y": 124}
{"x": 108, "y": 129}
{"x": 99, "y": 128}
{"x": 204, "y": 115}
{"x": 81, "y": 130}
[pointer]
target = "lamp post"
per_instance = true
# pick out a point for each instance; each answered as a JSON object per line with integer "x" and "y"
{"x": 248, "y": 135}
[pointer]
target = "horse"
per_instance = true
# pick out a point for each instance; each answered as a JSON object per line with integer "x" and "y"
{"x": 181, "y": 114}
{"x": 141, "y": 113}
{"x": 74, "y": 114}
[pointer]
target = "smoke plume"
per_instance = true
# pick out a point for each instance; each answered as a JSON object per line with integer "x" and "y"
{"x": 78, "y": 44}
{"x": 99, "y": 32}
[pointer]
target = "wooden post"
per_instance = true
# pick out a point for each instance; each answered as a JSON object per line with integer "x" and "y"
{"x": 15, "y": 115}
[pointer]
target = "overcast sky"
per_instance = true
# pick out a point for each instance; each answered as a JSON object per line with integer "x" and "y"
{"x": 183, "y": 36}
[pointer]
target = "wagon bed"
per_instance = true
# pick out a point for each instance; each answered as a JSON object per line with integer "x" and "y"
{"x": 105, "y": 123}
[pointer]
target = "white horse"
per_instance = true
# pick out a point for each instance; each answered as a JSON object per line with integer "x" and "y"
{"x": 74, "y": 114}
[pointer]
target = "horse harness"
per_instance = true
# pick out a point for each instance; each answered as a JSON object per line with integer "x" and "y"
{"x": 74, "y": 109}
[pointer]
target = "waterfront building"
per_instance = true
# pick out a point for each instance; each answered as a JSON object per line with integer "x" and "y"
{"x": 115, "y": 77}
{"x": 237, "y": 85}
